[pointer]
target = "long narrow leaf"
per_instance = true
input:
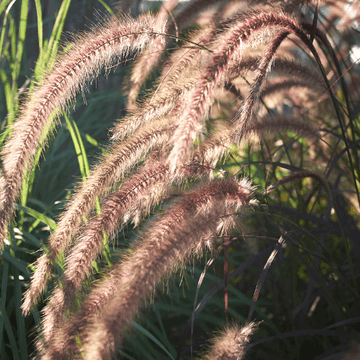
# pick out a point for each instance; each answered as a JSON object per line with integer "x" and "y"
{"x": 17, "y": 263}
{"x": 106, "y": 6}
{"x": 264, "y": 272}
{"x": 4, "y": 282}
{"x": 11, "y": 336}
{"x": 151, "y": 337}
{"x": 20, "y": 321}
{"x": 39, "y": 27}
{"x": 43, "y": 218}
{"x": 56, "y": 33}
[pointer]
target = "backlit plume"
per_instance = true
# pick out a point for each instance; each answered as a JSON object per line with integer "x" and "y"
{"x": 168, "y": 155}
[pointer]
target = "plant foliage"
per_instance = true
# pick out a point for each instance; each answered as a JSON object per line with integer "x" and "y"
{"x": 236, "y": 150}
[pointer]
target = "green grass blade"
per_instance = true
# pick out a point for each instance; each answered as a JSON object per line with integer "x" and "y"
{"x": 141, "y": 348}
{"x": 8, "y": 94}
{"x": 4, "y": 135}
{"x": 125, "y": 355}
{"x": 31, "y": 239}
{"x": 37, "y": 221}
{"x": 39, "y": 27}
{"x": 13, "y": 37}
{"x": 20, "y": 321}
{"x": 3, "y": 30}
{"x": 82, "y": 149}
{"x": 85, "y": 171}
{"x": 4, "y": 282}
{"x": 106, "y": 6}
{"x": 27, "y": 184}
{"x": 3, "y": 5}
{"x": 11, "y": 336}
{"x": 91, "y": 140}
{"x": 36, "y": 315}
{"x": 56, "y": 33}
{"x": 82, "y": 158}
{"x": 151, "y": 337}
{"x": 165, "y": 337}
{"x": 17, "y": 263}
{"x": 20, "y": 45}
{"x": 43, "y": 218}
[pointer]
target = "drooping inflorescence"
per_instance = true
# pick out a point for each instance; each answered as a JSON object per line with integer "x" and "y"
{"x": 169, "y": 140}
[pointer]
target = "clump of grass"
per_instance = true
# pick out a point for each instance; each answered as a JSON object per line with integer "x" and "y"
{"x": 259, "y": 91}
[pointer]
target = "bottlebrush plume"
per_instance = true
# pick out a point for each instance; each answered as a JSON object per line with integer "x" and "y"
{"x": 243, "y": 116}
{"x": 90, "y": 242}
{"x": 150, "y": 57}
{"x": 238, "y": 30}
{"x": 122, "y": 157}
{"x": 231, "y": 343}
{"x": 82, "y": 63}
{"x": 172, "y": 140}
{"x": 151, "y": 182}
{"x": 169, "y": 241}
{"x": 160, "y": 104}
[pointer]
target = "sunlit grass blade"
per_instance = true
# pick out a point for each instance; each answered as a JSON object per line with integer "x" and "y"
{"x": 29, "y": 178}
{"x": 39, "y": 28}
{"x": 85, "y": 171}
{"x": 20, "y": 49}
{"x": 3, "y": 5}
{"x": 106, "y": 6}
{"x": 41, "y": 217}
{"x": 79, "y": 147}
{"x": 9, "y": 99}
{"x": 3, "y": 29}
{"x": 53, "y": 44}
{"x": 38, "y": 220}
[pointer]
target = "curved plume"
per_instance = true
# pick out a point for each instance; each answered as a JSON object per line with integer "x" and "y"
{"x": 150, "y": 183}
{"x": 161, "y": 105}
{"x": 61, "y": 341}
{"x": 243, "y": 116}
{"x": 223, "y": 138}
{"x": 178, "y": 77}
{"x": 188, "y": 227}
{"x": 278, "y": 123}
{"x": 82, "y": 63}
{"x": 122, "y": 157}
{"x": 158, "y": 170}
{"x": 282, "y": 66}
{"x": 90, "y": 243}
{"x": 149, "y": 58}
{"x": 276, "y": 88}
{"x": 300, "y": 175}
{"x": 231, "y": 343}
{"x": 239, "y": 30}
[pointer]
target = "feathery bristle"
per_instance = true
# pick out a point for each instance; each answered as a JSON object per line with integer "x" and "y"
{"x": 231, "y": 344}
{"x": 241, "y": 30}
{"x": 80, "y": 64}
{"x": 121, "y": 158}
{"x": 170, "y": 241}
